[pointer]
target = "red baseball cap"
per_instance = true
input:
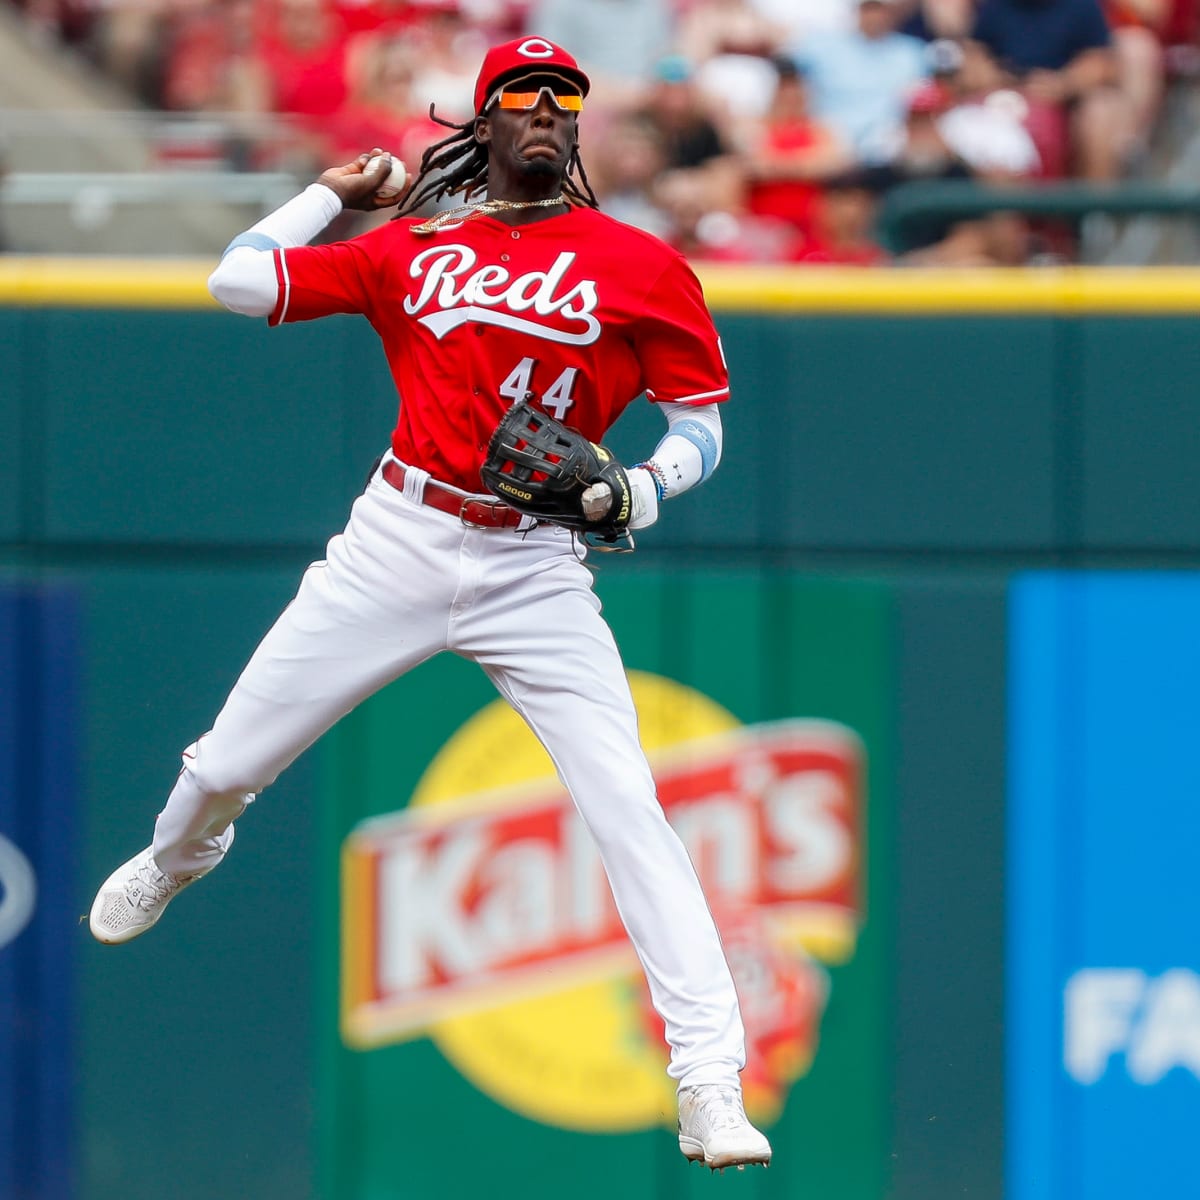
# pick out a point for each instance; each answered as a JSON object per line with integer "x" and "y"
{"x": 519, "y": 57}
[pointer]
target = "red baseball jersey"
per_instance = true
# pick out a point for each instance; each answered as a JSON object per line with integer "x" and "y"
{"x": 577, "y": 313}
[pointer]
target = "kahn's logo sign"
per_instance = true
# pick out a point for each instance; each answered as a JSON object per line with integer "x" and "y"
{"x": 466, "y": 905}
{"x": 538, "y": 303}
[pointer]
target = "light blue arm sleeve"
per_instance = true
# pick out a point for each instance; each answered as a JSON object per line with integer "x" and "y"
{"x": 689, "y": 451}
{"x": 702, "y": 435}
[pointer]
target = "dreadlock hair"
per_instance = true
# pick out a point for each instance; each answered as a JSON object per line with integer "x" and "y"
{"x": 459, "y": 164}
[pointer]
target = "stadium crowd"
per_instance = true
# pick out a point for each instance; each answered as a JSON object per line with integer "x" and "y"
{"x": 740, "y": 130}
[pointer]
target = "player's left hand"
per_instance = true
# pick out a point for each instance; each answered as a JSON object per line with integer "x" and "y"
{"x": 597, "y": 500}
{"x": 356, "y": 188}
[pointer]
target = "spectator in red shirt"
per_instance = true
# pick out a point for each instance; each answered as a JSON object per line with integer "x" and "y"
{"x": 296, "y": 69}
{"x": 791, "y": 154}
{"x": 385, "y": 17}
{"x": 298, "y": 59}
{"x": 203, "y": 43}
{"x": 381, "y": 109}
{"x": 844, "y": 224}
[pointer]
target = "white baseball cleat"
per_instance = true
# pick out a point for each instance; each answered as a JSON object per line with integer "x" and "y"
{"x": 713, "y": 1128}
{"x": 133, "y": 897}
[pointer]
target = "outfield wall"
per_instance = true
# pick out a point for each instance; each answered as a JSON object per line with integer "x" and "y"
{"x": 167, "y": 470}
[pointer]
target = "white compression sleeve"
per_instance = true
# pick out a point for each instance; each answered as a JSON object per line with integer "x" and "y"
{"x": 298, "y": 221}
{"x": 244, "y": 281}
{"x": 689, "y": 452}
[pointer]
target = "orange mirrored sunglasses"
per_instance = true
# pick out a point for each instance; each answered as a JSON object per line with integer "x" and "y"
{"x": 568, "y": 101}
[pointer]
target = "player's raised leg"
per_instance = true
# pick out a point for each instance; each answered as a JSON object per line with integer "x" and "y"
{"x": 561, "y": 670}
{"x": 346, "y": 634}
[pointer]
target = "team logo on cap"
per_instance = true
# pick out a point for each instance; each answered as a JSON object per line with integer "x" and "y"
{"x": 483, "y": 920}
{"x": 536, "y": 48}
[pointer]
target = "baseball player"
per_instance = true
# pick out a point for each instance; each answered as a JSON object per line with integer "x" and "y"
{"x": 533, "y": 296}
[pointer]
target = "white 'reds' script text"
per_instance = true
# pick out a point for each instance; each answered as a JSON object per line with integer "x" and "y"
{"x": 490, "y": 295}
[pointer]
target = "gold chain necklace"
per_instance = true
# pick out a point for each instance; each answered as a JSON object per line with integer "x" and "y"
{"x": 464, "y": 212}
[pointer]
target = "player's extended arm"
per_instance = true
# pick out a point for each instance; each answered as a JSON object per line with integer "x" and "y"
{"x": 244, "y": 280}
{"x": 687, "y": 455}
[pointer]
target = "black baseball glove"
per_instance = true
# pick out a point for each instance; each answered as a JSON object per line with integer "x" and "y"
{"x": 550, "y": 471}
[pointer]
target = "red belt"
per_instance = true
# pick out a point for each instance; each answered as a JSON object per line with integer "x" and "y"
{"x": 471, "y": 510}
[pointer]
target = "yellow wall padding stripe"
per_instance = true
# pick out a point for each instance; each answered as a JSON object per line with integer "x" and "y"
{"x": 105, "y": 282}
{"x": 902, "y": 291}
{"x": 180, "y": 283}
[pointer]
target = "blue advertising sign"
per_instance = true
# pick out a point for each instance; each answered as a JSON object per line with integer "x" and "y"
{"x": 1103, "y": 937}
{"x": 39, "y": 723}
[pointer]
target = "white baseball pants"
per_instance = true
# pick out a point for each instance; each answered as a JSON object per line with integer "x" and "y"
{"x": 403, "y": 582}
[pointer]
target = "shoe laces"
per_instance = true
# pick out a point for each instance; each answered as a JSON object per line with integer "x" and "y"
{"x": 151, "y": 885}
{"x": 721, "y": 1108}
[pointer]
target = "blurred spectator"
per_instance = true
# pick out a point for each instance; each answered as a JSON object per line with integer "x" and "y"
{"x": 446, "y": 46}
{"x": 126, "y": 39}
{"x": 1181, "y": 40}
{"x": 205, "y": 40}
{"x": 385, "y": 18}
{"x": 1139, "y": 29}
{"x": 624, "y": 170}
{"x": 982, "y": 124}
{"x": 859, "y": 82}
{"x": 799, "y": 18}
{"x": 1059, "y": 54}
{"x": 931, "y": 20}
{"x": 710, "y": 27}
{"x": 617, "y": 42}
{"x": 792, "y": 154}
{"x": 299, "y": 60}
{"x": 731, "y": 46}
{"x": 843, "y": 229}
{"x": 703, "y": 234}
{"x": 70, "y": 21}
{"x": 999, "y": 239}
{"x": 383, "y": 108}
{"x": 694, "y": 147}
{"x": 298, "y": 67}
{"x": 699, "y": 127}
{"x": 925, "y": 152}
{"x": 984, "y": 143}
{"x": 698, "y": 185}
{"x": 675, "y": 104}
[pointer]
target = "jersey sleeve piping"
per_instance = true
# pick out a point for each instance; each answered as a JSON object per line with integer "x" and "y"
{"x": 285, "y": 289}
{"x": 694, "y": 398}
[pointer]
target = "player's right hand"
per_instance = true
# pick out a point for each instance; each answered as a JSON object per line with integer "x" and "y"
{"x": 356, "y": 190}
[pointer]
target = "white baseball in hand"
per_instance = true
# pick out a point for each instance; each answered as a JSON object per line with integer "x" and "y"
{"x": 596, "y": 501}
{"x": 395, "y": 180}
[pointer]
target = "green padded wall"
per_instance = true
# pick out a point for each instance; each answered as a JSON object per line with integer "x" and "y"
{"x": 909, "y": 437}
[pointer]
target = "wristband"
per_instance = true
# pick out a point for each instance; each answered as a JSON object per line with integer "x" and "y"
{"x": 658, "y": 475}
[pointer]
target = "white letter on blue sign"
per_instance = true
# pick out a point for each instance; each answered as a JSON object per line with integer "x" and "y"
{"x": 1155, "y": 1023}
{"x": 1169, "y": 1033}
{"x": 1099, "y": 1011}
